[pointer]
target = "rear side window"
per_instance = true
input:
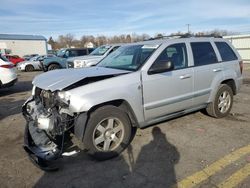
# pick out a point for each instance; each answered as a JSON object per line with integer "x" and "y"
{"x": 203, "y": 53}
{"x": 226, "y": 52}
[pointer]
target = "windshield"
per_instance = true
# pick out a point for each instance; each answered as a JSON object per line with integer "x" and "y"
{"x": 61, "y": 53}
{"x": 128, "y": 57}
{"x": 3, "y": 58}
{"x": 101, "y": 50}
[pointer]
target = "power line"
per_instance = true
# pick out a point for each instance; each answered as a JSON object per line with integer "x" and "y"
{"x": 188, "y": 25}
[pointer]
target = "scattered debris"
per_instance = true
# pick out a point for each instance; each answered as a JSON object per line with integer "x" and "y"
{"x": 200, "y": 130}
{"x": 248, "y": 158}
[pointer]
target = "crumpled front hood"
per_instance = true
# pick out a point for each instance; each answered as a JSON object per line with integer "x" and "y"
{"x": 60, "y": 79}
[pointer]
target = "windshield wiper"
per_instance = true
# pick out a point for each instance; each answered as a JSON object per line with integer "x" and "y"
{"x": 119, "y": 68}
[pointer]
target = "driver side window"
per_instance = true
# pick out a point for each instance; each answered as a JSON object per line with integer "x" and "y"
{"x": 175, "y": 53}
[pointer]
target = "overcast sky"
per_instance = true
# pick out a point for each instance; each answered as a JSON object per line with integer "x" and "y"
{"x": 109, "y": 17}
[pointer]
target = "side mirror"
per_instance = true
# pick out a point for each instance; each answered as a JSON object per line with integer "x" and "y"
{"x": 161, "y": 66}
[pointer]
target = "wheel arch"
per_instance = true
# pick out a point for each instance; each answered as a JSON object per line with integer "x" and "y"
{"x": 29, "y": 65}
{"x": 81, "y": 121}
{"x": 120, "y": 103}
{"x": 54, "y": 63}
{"x": 219, "y": 81}
{"x": 231, "y": 84}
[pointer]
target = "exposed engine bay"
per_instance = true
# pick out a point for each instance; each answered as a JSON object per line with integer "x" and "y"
{"x": 48, "y": 121}
{"x": 50, "y": 112}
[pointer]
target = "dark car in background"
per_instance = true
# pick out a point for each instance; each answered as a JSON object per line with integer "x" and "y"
{"x": 60, "y": 60}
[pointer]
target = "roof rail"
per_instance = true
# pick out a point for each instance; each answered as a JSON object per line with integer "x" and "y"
{"x": 171, "y": 36}
{"x": 210, "y": 35}
{"x": 186, "y": 35}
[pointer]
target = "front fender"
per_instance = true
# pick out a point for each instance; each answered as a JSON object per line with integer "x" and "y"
{"x": 126, "y": 87}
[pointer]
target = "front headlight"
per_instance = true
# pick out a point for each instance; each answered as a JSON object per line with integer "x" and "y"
{"x": 79, "y": 63}
{"x": 19, "y": 64}
{"x": 91, "y": 63}
{"x": 33, "y": 90}
{"x": 63, "y": 96}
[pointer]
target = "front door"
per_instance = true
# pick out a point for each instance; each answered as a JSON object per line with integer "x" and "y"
{"x": 171, "y": 91}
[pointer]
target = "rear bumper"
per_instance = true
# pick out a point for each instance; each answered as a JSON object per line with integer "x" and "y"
{"x": 239, "y": 83}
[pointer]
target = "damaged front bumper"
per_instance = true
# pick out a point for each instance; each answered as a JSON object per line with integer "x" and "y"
{"x": 46, "y": 156}
{"x": 41, "y": 149}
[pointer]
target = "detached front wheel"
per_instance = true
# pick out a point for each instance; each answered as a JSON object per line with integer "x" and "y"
{"x": 108, "y": 132}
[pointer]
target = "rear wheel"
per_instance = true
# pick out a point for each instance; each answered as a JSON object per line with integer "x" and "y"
{"x": 108, "y": 132}
{"x": 53, "y": 67}
{"x": 29, "y": 68}
{"x": 222, "y": 103}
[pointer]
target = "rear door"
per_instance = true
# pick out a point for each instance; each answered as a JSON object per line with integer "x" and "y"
{"x": 171, "y": 91}
{"x": 207, "y": 69}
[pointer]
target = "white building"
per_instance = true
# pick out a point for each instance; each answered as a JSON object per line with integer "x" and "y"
{"x": 242, "y": 44}
{"x": 89, "y": 45}
{"x": 23, "y": 44}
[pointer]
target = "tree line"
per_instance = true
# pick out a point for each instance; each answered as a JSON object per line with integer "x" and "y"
{"x": 69, "y": 40}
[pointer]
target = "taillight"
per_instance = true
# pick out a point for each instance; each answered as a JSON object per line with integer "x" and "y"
{"x": 8, "y": 66}
{"x": 241, "y": 66}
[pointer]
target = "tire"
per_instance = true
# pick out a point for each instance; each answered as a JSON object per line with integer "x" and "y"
{"x": 53, "y": 67}
{"x": 29, "y": 68}
{"x": 108, "y": 133}
{"x": 222, "y": 103}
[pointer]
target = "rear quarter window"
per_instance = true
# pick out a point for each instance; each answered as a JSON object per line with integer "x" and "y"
{"x": 226, "y": 52}
{"x": 203, "y": 53}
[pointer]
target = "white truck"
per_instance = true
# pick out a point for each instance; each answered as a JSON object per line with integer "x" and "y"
{"x": 93, "y": 58}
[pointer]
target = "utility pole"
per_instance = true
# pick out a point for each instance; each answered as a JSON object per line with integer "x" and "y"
{"x": 188, "y": 25}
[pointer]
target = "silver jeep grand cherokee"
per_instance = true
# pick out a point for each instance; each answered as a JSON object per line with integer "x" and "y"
{"x": 138, "y": 85}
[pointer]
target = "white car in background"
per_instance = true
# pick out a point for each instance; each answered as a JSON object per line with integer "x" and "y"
{"x": 8, "y": 76}
{"x": 33, "y": 63}
{"x": 93, "y": 58}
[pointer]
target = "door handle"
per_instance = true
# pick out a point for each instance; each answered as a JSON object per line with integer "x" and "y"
{"x": 185, "y": 76}
{"x": 217, "y": 70}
